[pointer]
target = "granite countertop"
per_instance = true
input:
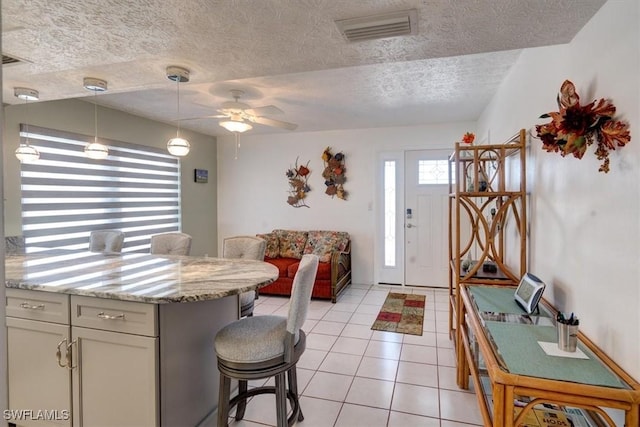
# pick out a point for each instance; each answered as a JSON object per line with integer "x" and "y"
{"x": 137, "y": 277}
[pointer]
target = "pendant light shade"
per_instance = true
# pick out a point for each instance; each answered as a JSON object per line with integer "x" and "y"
{"x": 95, "y": 150}
{"x": 178, "y": 146}
{"x": 25, "y": 152}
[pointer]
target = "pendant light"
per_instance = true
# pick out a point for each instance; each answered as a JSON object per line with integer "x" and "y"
{"x": 95, "y": 150}
{"x": 25, "y": 152}
{"x": 178, "y": 146}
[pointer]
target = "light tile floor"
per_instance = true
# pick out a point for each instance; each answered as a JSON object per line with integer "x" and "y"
{"x": 352, "y": 376}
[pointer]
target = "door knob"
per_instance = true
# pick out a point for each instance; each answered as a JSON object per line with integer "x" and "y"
{"x": 409, "y": 225}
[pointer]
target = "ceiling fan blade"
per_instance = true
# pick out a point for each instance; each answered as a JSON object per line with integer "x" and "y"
{"x": 267, "y": 110}
{"x": 217, "y": 116}
{"x": 275, "y": 123}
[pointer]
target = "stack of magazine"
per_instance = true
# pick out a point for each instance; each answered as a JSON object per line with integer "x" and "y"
{"x": 547, "y": 415}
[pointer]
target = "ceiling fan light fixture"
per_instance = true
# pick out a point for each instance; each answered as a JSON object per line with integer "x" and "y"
{"x": 178, "y": 146}
{"x": 236, "y": 126}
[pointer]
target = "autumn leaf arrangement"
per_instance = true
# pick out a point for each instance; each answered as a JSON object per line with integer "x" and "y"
{"x": 575, "y": 127}
{"x": 298, "y": 187}
{"x": 334, "y": 174}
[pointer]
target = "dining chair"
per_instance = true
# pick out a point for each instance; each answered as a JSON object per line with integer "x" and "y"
{"x": 171, "y": 244}
{"x": 245, "y": 247}
{"x": 265, "y": 346}
{"x": 106, "y": 241}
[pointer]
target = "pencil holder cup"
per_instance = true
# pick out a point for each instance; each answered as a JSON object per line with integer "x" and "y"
{"x": 567, "y": 337}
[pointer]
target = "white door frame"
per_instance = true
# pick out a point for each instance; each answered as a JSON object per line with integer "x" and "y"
{"x": 391, "y": 274}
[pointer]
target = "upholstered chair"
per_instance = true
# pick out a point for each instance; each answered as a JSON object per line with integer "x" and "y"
{"x": 265, "y": 346}
{"x": 245, "y": 247}
{"x": 106, "y": 241}
{"x": 171, "y": 244}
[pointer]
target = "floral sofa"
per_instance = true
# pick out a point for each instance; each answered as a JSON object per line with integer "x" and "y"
{"x": 285, "y": 249}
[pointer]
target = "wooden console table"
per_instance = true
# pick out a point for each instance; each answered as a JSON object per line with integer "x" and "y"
{"x": 498, "y": 347}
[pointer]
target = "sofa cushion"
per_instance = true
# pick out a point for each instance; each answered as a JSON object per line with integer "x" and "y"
{"x": 291, "y": 243}
{"x": 283, "y": 264}
{"x": 273, "y": 250}
{"x": 323, "y": 273}
{"x": 322, "y": 243}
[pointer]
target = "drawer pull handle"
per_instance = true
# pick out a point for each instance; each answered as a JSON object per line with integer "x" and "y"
{"x": 104, "y": 316}
{"x": 59, "y": 353}
{"x": 28, "y": 306}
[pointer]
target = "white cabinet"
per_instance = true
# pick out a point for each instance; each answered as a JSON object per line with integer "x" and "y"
{"x": 36, "y": 381}
{"x": 96, "y": 367}
{"x": 114, "y": 379}
{"x": 121, "y": 363}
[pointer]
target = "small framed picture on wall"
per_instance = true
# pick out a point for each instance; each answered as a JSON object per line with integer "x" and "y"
{"x": 200, "y": 175}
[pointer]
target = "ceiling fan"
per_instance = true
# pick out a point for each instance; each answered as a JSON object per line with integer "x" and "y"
{"x": 239, "y": 115}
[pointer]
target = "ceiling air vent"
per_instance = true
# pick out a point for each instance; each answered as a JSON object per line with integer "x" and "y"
{"x": 9, "y": 60}
{"x": 392, "y": 24}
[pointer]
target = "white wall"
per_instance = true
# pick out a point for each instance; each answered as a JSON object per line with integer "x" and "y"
{"x": 585, "y": 225}
{"x": 252, "y": 190}
{"x": 198, "y": 200}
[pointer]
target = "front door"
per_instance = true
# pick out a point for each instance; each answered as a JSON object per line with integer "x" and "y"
{"x": 425, "y": 218}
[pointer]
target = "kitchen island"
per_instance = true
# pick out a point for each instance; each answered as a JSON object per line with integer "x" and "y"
{"x": 119, "y": 339}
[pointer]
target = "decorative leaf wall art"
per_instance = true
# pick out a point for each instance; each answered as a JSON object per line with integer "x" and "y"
{"x": 298, "y": 187}
{"x": 334, "y": 174}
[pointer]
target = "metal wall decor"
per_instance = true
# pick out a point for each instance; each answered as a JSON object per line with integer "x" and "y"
{"x": 334, "y": 174}
{"x": 298, "y": 187}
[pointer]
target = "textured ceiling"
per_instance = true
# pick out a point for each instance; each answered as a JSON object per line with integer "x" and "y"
{"x": 288, "y": 53}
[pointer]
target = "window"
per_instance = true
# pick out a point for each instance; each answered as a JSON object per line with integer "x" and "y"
{"x": 434, "y": 172}
{"x": 66, "y": 195}
{"x": 390, "y": 213}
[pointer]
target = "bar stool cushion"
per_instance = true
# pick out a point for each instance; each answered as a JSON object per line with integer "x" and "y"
{"x": 255, "y": 339}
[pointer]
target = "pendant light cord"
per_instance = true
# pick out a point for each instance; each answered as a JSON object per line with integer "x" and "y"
{"x": 26, "y": 120}
{"x": 178, "y": 105}
{"x": 95, "y": 116}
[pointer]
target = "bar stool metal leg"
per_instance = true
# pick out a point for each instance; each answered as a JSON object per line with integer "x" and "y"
{"x": 223, "y": 400}
{"x": 242, "y": 405}
{"x": 281, "y": 400}
{"x": 293, "y": 388}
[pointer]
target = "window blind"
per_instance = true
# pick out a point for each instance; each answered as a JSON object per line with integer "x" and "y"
{"x": 66, "y": 195}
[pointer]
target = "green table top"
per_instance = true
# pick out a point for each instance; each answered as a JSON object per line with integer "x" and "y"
{"x": 493, "y": 299}
{"x": 519, "y": 348}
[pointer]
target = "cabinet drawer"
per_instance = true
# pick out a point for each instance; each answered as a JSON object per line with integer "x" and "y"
{"x": 114, "y": 315}
{"x": 37, "y": 305}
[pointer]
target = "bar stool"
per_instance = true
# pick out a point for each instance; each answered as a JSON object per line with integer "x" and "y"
{"x": 245, "y": 247}
{"x": 106, "y": 241}
{"x": 171, "y": 244}
{"x": 266, "y": 346}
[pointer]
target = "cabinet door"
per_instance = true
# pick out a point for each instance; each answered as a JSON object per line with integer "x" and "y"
{"x": 39, "y": 389}
{"x": 115, "y": 379}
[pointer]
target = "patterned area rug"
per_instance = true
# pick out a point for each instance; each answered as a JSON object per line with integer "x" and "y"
{"x": 402, "y": 313}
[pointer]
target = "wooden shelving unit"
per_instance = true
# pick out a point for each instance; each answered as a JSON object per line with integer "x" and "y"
{"x": 487, "y": 216}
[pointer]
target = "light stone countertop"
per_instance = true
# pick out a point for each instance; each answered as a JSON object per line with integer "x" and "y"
{"x": 137, "y": 277}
